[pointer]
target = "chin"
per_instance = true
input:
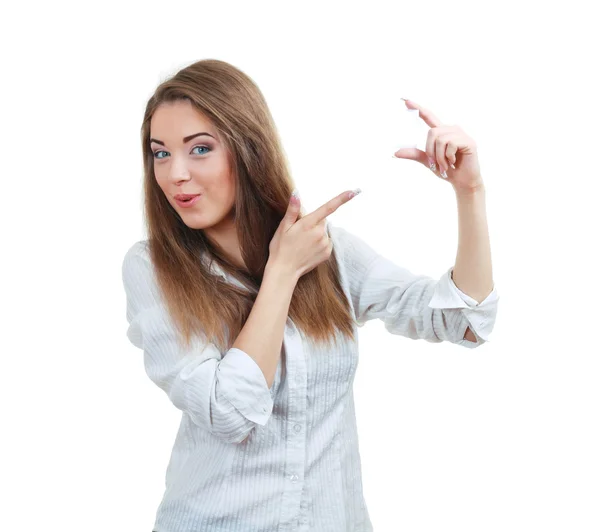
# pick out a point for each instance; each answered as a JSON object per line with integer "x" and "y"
{"x": 195, "y": 224}
{"x": 198, "y": 221}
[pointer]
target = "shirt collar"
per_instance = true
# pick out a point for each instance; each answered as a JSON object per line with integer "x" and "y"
{"x": 215, "y": 269}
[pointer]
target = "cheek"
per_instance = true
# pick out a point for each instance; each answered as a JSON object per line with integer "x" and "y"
{"x": 221, "y": 194}
{"x": 225, "y": 196}
{"x": 161, "y": 183}
{"x": 222, "y": 191}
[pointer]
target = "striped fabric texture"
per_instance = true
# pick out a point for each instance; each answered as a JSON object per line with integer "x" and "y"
{"x": 249, "y": 458}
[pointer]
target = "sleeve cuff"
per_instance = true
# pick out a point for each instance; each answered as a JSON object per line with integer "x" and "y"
{"x": 481, "y": 316}
{"x": 247, "y": 388}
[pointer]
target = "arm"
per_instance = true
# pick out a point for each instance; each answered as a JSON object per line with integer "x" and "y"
{"x": 262, "y": 334}
{"x": 411, "y": 305}
{"x": 472, "y": 272}
{"x": 470, "y": 336}
{"x": 224, "y": 394}
{"x": 473, "y": 268}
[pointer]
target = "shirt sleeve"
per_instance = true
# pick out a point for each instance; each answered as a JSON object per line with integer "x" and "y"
{"x": 411, "y": 305}
{"x": 481, "y": 316}
{"x": 227, "y": 395}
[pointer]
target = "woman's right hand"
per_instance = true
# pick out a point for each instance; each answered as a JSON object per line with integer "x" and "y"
{"x": 298, "y": 246}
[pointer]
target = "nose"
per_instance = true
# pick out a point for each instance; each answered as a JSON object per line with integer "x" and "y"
{"x": 178, "y": 171}
{"x": 177, "y": 180}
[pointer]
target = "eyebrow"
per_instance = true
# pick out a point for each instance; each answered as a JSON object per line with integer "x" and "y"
{"x": 185, "y": 139}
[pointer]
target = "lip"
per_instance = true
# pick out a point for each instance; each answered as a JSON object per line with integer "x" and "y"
{"x": 185, "y": 204}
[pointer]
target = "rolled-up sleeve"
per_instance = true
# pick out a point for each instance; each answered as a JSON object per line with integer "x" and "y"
{"x": 226, "y": 395}
{"x": 479, "y": 317}
{"x": 411, "y": 305}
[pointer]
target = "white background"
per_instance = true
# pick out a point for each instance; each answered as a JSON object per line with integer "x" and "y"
{"x": 502, "y": 437}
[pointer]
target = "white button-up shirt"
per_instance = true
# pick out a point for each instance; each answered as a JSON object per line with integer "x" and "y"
{"x": 284, "y": 458}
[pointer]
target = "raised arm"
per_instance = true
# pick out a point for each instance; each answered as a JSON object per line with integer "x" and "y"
{"x": 411, "y": 305}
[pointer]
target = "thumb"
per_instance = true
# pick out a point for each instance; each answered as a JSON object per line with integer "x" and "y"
{"x": 291, "y": 215}
{"x": 408, "y": 152}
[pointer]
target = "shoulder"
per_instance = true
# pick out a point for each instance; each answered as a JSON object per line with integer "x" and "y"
{"x": 353, "y": 252}
{"x": 349, "y": 245}
{"x": 139, "y": 277}
{"x": 338, "y": 235}
{"x": 344, "y": 239}
{"x": 136, "y": 264}
{"x": 139, "y": 248}
{"x": 137, "y": 252}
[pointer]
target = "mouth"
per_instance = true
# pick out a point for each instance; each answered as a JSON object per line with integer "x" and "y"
{"x": 183, "y": 201}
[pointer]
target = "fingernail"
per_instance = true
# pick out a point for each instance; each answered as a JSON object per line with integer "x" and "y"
{"x": 355, "y": 192}
{"x": 296, "y": 194}
{"x": 444, "y": 175}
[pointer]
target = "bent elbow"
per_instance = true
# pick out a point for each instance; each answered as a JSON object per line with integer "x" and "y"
{"x": 469, "y": 335}
{"x": 222, "y": 419}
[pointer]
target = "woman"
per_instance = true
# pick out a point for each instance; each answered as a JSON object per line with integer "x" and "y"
{"x": 247, "y": 311}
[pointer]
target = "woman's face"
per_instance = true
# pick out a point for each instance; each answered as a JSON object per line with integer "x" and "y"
{"x": 195, "y": 165}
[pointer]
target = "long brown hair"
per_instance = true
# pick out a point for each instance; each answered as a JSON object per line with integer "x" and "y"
{"x": 197, "y": 301}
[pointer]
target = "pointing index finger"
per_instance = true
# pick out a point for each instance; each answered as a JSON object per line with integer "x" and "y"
{"x": 328, "y": 208}
{"x": 430, "y": 119}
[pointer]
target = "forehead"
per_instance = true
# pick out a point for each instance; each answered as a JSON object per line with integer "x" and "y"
{"x": 179, "y": 118}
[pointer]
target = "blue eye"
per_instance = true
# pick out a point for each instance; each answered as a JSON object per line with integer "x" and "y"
{"x": 163, "y": 151}
{"x": 201, "y": 147}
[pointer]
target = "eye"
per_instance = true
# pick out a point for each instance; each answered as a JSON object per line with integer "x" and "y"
{"x": 201, "y": 147}
{"x": 163, "y": 151}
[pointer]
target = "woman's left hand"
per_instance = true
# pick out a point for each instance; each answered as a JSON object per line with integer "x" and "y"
{"x": 449, "y": 152}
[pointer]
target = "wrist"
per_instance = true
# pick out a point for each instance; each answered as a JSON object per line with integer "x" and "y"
{"x": 282, "y": 272}
{"x": 478, "y": 190}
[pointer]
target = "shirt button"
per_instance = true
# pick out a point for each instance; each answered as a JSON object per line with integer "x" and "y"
{"x": 297, "y": 428}
{"x": 294, "y": 478}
